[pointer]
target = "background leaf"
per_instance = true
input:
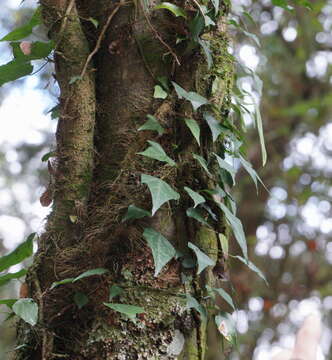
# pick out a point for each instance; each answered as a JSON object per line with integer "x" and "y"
{"x": 16, "y": 275}
{"x": 203, "y": 163}
{"x": 14, "y": 70}
{"x": 214, "y": 125}
{"x": 252, "y": 267}
{"x": 194, "y": 128}
{"x": 155, "y": 151}
{"x": 135, "y": 212}
{"x": 195, "y": 214}
{"x": 225, "y": 296}
{"x": 129, "y": 310}
{"x": 196, "y": 197}
{"x": 195, "y": 99}
{"x": 80, "y": 299}
{"x": 162, "y": 250}
{"x": 176, "y": 10}
{"x": 153, "y": 125}
{"x": 192, "y": 303}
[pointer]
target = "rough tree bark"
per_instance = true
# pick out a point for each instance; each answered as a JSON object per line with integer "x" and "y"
{"x": 97, "y": 176}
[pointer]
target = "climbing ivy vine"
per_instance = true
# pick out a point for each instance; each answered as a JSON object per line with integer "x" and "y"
{"x": 220, "y": 167}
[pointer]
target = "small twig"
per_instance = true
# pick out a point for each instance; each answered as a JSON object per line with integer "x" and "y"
{"x": 161, "y": 39}
{"x": 100, "y": 38}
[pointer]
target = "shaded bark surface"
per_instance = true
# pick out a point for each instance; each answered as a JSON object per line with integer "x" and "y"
{"x": 97, "y": 176}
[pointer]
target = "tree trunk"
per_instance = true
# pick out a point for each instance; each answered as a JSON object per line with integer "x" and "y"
{"x": 97, "y": 175}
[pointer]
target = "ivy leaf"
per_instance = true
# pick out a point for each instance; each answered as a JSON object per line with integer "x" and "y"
{"x": 214, "y": 125}
{"x": 192, "y": 303}
{"x": 174, "y": 9}
{"x": 115, "y": 290}
{"x": 159, "y": 92}
{"x": 6, "y": 278}
{"x": 80, "y": 299}
{"x": 252, "y": 267}
{"x": 22, "y": 252}
{"x": 195, "y": 214}
{"x": 98, "y": 271}
{"x": 207, "y": 51}
{"x": 259, "y": 125}
{"x": 155, "y": 151}
{"x": 202, "y": 259}
{"x": 226, "y": 327}
{"x": 161, "y": 192}
{"x": 224, "y": 244}
{"x": 14, "y": 70}
{"x": 27, "y": 310}
{"x": 25, "y": 30}
{"x": 226, "y": 166}
{"x": 129, "y": 310}
{"x": 215, "y": 5}
{"x": 196, "y": 197}
{"x": 135, "y": 212}
{"x": 251, "y": 171}
{"x": 162, "y": 250}
{"x": 203, "y": 163}
{"x": 237, "y": 228}
{"x": 195, "y": 99}
{"x": 225, "y": 296}
{"x": 153, "y": 125}
{"x": 194, "y": 128}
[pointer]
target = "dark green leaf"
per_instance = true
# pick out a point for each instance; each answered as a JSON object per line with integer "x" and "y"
{"x": 196, "y": 197}
{"x": 194, "y": 128}
{"x": 237, "y": 228}
{"x": 196, "y": 214}
{"x": 162, "y": 250}
{"x": 135, "y": 212}
{"x": 14, "y": 70}
{"x": 5, "y": 278}
{"x": 192, "y": 303}
{"x": 128, "y": 310}
{"x": 98, "y": 271}
{"x": 161, "y": 192}
{"x": 48, "y": 155}
{"x": 174, "y": 9}
{"x": 27, "y": 310}
{"x": 80, "y": 299}
{"x": 202, "y": 259}
{"x": 195, "y": 99}
{"x": 153, "y": 125}
{"x": 22, "y": 252}
{"x": 155, "y": 151}
{"x": 115, "y": 290}
{"x": 8, "y": 302}
{"x": 39, "y": 50}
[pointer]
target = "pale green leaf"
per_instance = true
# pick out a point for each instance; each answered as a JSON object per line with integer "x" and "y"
{"x": 195, "y": 99}
{"x": 207, "y": 51}
{"x": 195, "y": 214}
{"x": 153, "y": 125}
{"x": 22, "y": 252}
{"x": 73, "y": 79}
{"x": 80, "y": 299}
{"x": 98, "y": 271}
{"x": 162, "y": 250}
{"x": 224, "y": 244}
{"x": 129, "y": 310}
{"x": 155, "y": 151}
{"x": 214, "y": 125}
{"x": 259, "y": 125}
{"x": 160, "y": 191}
{"x": 251, "y": 171}
{"x": 14, "y": 70}
{"x": 202, "y": 259}
{"x": 27, "y": 310}
{"x": 237, "y": 228}
{"x": 196, "y": 197}
{"x": 194, "y": 128}
{"x": 174, "y": 9}
{"x": 192, "y": 303}
{"x": 135, "y": 212}
{"x": 159, "y": 92}
{"x": 215, "y": 5}
{"x": 94, "y": 22}
{"x": 225, "y": 296}
{"x": 61, "y": 282}
{"x": 252, "y": 267}
{"x": 10, "y": 276}
{"x": 202, "y": 162}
